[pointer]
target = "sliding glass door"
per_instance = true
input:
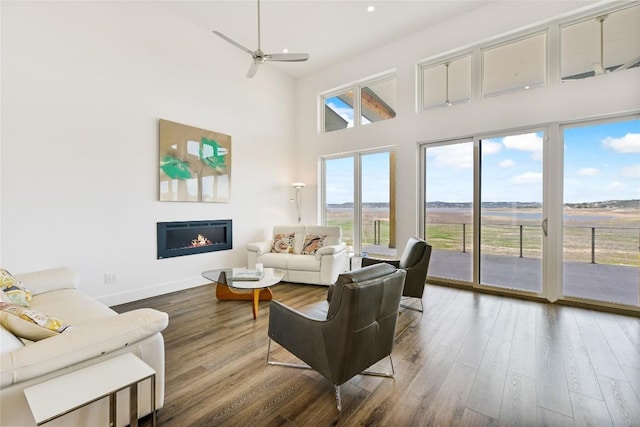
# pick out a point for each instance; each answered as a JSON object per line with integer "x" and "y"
{"x": 511, "y": 211}
{"x": 601, "y": 214}
{"x": 483, "y": 210}
{"x": 486, "y": 202}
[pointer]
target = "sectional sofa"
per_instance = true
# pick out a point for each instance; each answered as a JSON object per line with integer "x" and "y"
{"x": 95, "y": 333}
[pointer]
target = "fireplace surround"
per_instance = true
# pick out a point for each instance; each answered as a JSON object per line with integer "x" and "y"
{"x": 180, "y": 238}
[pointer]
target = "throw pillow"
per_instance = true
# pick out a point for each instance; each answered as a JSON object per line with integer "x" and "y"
{"x": 283, "y": 243}
{"x": 29, "y": 324}
{"x": 14, "y": 289}
{"x": 313, "y": 242}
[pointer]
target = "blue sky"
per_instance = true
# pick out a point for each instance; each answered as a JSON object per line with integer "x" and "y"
{"x": 602, "y": 162}
{"x": 375, "y": 172}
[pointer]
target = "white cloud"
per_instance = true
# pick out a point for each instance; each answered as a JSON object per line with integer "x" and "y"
{"x": 528, "y": 178}
{"x": 458, "y": 156}
{"x": 490, "y": 147}
{"x": 588, "y": 172}
{"x": 529, "y": 142}
{"x": 508, "y": 163}
{"x": 615, "y": 186}
{"x": 631, "y": 171}
{"x": 630, "y": 143}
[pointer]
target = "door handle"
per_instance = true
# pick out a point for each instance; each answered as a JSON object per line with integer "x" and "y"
{"x": 545, "y": 226}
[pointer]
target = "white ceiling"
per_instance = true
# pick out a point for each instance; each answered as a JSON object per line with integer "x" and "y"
{"x": 328, "y": 30}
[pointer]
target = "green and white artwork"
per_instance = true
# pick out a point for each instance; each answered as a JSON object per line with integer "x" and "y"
{"x": 195, "y": 164}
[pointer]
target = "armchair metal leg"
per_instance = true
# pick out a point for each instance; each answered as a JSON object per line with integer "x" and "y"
{"x": 381, "y": 374}
{"x": 290, "y": 365}
{"x": 337, "y": 387}
{"x": 421, "y": 309}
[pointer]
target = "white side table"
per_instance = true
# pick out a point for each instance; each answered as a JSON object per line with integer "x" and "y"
{"x": 59, "y": 396}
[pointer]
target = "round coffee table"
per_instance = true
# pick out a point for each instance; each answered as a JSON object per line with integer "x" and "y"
{"x": 225, "y": 285}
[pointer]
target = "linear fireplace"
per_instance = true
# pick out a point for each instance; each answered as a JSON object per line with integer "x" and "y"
{"x": 193, "y": 237}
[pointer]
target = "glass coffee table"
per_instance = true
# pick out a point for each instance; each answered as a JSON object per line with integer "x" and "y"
{"x": 226, "y": 286}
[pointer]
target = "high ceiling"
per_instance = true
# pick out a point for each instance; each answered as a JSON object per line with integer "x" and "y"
{"x": 329, "y": 30}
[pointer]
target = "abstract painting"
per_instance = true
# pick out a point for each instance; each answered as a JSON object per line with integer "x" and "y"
{"x": 195, "y": 164}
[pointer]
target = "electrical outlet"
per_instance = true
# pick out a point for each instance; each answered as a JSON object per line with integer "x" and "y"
{"x": 110, "y": 278}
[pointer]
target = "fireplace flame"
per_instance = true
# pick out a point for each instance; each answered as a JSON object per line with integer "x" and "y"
{"x": 200, "y": 241}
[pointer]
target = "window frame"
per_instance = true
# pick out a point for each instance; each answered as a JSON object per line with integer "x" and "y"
{"x": 357, "y": 189}
{"x": 422, "y": 66}
{"x": 356, "y": 88}
{"x": 578, "y": 19}
{"x": 505, "y": 42}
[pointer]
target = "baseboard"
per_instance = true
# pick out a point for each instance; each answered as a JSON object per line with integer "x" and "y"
{"x": 151, "y": 291}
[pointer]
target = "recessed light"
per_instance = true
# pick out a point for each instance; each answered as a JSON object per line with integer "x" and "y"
{"x": 527, "y": 87}
{"x": 285, "y": 50}
{"x": 371, "y": 8}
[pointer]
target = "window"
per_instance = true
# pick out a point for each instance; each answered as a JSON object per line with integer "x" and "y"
{"x": 515, "y": 66}
{"x": 378, "y": 101}
{"x": 359, "y": 196}
{"x": 446, "y": 83}
{"x": 483, "y": 210}
{"x": 370, "y": 101}
{"x": 601, "y": 211}
{"x": 338, "y": 111}
{"x": 606, "y": 43}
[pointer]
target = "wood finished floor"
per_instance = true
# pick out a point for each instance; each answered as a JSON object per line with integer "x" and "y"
{"x": 470, "y": 360}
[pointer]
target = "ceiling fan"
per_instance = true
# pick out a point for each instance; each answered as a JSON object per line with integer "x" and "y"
{"x": 599, "y": 67}
{"x": 259, "y": 57}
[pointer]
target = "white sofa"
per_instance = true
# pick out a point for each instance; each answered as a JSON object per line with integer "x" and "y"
{"x": 97, "y": 333}
{"x": 319, "y": 268}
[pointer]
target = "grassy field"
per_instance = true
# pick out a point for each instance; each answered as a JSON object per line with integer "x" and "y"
{"x": 617, "y": 232}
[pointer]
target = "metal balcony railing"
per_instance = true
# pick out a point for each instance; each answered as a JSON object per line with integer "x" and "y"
{"x": 613, "y": 241}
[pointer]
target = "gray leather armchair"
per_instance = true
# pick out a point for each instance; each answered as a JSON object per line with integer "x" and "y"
{"x": 415, "y": 261}
{"x": 357, "y": 331}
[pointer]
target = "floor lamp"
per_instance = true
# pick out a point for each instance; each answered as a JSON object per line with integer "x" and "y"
{"x": 298, "y": 186}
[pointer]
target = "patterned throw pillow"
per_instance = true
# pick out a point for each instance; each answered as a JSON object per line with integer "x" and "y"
{"x": 283, "y": 243}
{"x": 14, "y": 289}
{"x": 30, "y": 324}
{"x": 313, "y": 242}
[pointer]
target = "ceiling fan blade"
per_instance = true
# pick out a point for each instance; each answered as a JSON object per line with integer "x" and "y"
{"x": 253, "y": 69}
{"x": 233, "y": 42}
{"x": 629, "y": 64}
{"x": 287, "y": 57}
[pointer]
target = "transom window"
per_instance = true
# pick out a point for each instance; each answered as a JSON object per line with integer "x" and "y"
{"x": 604, "y": 42}
{"x": 607, "y": 43}
{"x": 514, "y": 66}
{"x": 446, "y": 83}
{"x": 360, "y": 104}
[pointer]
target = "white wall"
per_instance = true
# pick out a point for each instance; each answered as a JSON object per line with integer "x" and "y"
{"x": 614, "y": 93}
{"x": 83, "y": 87}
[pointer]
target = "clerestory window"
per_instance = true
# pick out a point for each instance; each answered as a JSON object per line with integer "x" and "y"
{"x": 361, "y": 104}
{"x": 607, "y": 43}
{"x": 446, "y": 83}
